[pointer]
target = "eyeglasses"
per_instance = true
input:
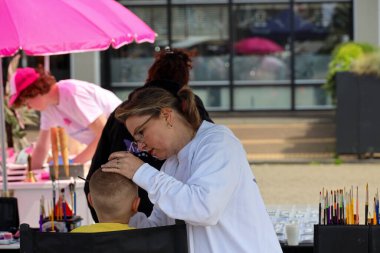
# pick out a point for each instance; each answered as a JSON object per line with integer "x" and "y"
{"x": 139, "y": 131}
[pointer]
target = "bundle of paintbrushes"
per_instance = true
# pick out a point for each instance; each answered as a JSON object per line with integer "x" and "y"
{"x": 59, "y": 142}
{"x": 341, "y": 207}
{"x": 61, "y": 215}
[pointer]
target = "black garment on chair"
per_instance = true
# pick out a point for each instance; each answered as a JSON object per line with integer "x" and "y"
{"x": 9, "y": 217}
{"x": 165, "y": 239}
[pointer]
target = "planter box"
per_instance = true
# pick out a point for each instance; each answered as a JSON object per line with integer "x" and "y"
{"x": 357, "y": 114}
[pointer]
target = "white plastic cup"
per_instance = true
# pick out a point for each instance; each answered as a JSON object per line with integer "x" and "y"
{"x": 292, "y": 234}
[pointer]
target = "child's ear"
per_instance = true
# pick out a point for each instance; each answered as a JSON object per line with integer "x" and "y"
{"x": 135, "y": 204}
{"x": 89, "y": 198}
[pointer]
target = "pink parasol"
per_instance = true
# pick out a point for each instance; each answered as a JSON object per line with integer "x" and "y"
{"x": 257, "y": 45}
{"x": 49, "y": 27}
{"x": 41, "y": 27}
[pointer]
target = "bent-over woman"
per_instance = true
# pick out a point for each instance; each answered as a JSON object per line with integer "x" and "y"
{"x": 205, "y": 181}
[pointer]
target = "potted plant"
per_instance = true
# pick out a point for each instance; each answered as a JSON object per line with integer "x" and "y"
{"x": 342, "y": 59}
{"x": 368, "y": 64}
{"x": 16, "y": 120}
{"x": 353, "y": 81}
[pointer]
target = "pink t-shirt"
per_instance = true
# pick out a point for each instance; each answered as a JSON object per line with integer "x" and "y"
{"x": 80, "y": 104}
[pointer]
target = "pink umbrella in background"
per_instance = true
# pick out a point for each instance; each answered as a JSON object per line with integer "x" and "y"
{"x": 257, "y": 45}
{"x": 49, "y": 27}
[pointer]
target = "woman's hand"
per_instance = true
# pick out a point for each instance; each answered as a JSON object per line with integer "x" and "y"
{"x": 123, "y": 163}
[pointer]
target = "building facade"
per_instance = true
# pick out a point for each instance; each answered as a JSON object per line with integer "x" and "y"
{"x": 247, "y": 55}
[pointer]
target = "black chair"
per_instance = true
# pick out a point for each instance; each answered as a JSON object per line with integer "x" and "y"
{"x": 9, "y": 216}
{"x": 166, "y": 239}
{"x": 374, "y": 244}
{"x": 336, "y": 238}
{"x": 348, "y": 239}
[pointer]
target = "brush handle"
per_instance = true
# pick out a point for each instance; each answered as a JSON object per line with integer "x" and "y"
{"x": 75, "y": 203}
{"x": 29, "y": 163}
{"x": 64, "y": 210}
{"x": 54, "y": 150}
{"x": 63, "y": 142}
{"x": 40, "y": 222}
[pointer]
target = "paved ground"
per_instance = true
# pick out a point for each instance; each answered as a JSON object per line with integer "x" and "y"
{"x": 288, "y": 184}
{"x": 281, "y": 138}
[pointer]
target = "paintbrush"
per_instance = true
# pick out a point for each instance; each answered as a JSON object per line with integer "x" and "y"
{"x": 366, "y": 206}
{"x": 63, "y": 143}
{"x": 54, "y": 151}
{"x": 73, "y": 195}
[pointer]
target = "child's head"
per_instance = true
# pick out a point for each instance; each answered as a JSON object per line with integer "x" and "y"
{"x": 114, "y": 197}
{"x": 29, "y": 83}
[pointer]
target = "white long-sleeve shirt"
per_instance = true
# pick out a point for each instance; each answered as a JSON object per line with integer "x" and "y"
{"x": 210, "y": 185}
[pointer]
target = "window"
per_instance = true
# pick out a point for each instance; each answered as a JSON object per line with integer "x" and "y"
{"x": 247, "y": 54}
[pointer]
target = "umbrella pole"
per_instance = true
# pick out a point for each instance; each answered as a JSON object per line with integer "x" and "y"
{"x": 47, "y": 63}
{"x": 2, "y": 133}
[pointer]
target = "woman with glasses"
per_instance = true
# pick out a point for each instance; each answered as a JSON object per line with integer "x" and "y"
{"x": 205, "y": 181}
{"x": 170, "y": 70}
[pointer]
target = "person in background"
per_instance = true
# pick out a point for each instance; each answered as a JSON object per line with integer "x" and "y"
{"x": 206, "y": 180}
{"x": 170, "y": 70}
{"x": 81, "y": 108}
{"x": 115, "y": 200}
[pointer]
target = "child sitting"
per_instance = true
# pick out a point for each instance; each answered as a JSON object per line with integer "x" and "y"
{"x": 115, "y": 200}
